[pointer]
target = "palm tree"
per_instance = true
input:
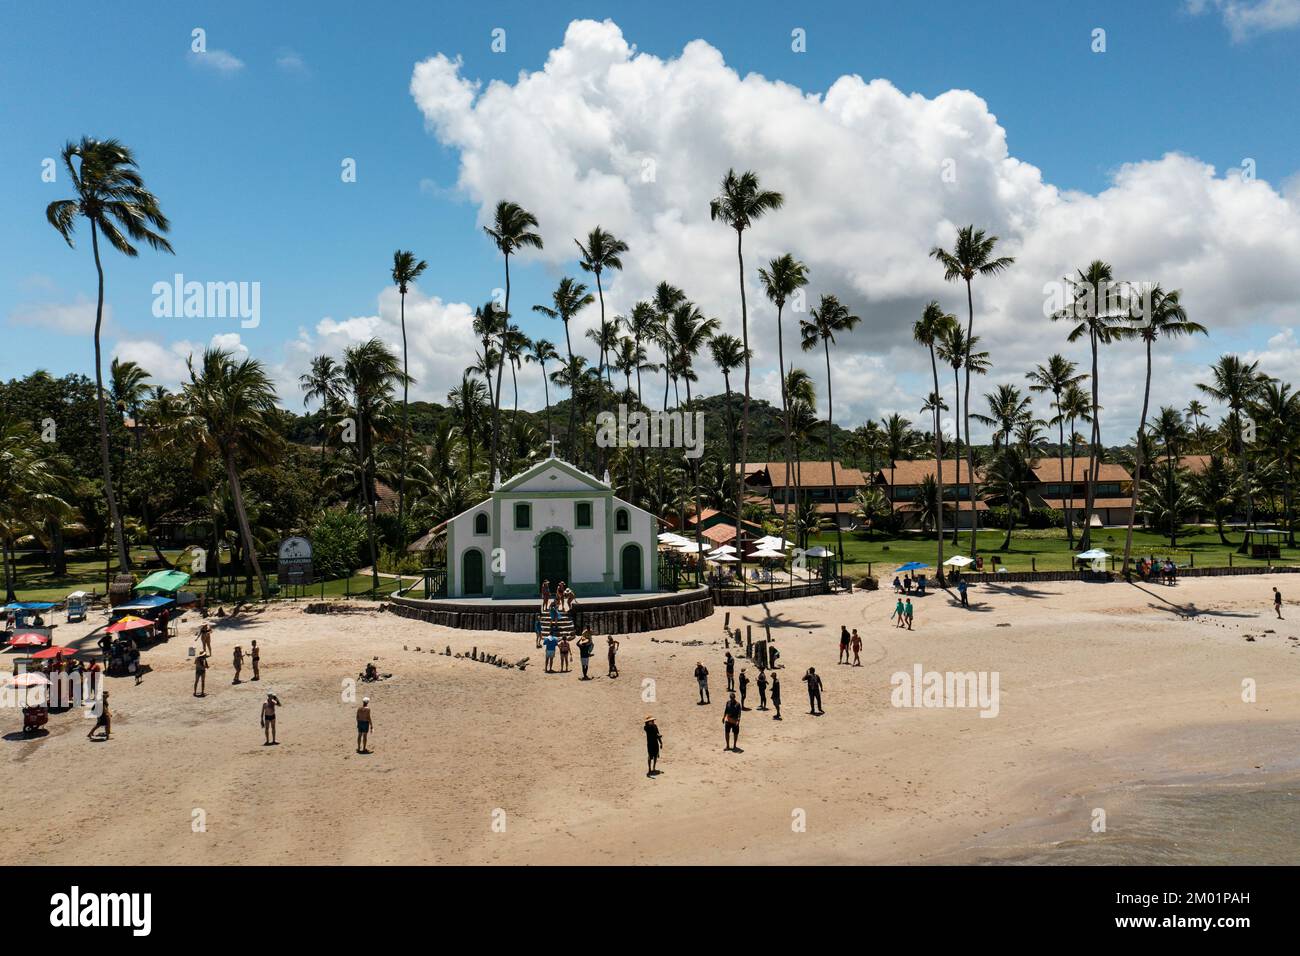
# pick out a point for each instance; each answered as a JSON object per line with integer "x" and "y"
{"x": 543, "y": 351}
{"x": 1236, "y": 383}
{"x": 514, "y": 347}
{"x": 1057, "y": 376}
{"x": 33, "y": 483}
{"x": 1164, "y": 316}
{"x": 1195, "y": 411}
{"x": 972, "y": 256}
{"x": 406, "y": 269}
{"x": 230, "y": 415}
{"x": 691, "y": 331}
{"x": 728, "y": 355}
{"x": 929, "y": 330}
{"x": 870, "y": 504}
{"x": 324, "y": 384}
{"x": 1076, "y": 406}
{"x": 511, "y": 230}
{"x": 1215, "y": 488}
{"x": 1008, "y": 409}
{"x": 782, "y": 278}
{"x": 370, "y": 370}
{"x": 802, "y": 394}
{"x": 111, "y": 195}
{"x": 602, "y": 251}
{"x": 467, "y": 402}
{"x": 741, "y": 202}
{"x": 831, "y": 317}
{"x": 1278, "y": 410}
{"x": 569, "y": 298}
{"x": 1170, "y": 429}
{"x": 1097, "y": 321}
{"x": 953, "y": 348}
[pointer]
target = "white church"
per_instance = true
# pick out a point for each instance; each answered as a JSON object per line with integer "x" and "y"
{"x": 552, "y": 522}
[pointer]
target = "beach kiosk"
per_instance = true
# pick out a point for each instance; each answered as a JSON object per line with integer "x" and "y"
{"x": 1263, "y": 543}
{"x": 76, "y": 604}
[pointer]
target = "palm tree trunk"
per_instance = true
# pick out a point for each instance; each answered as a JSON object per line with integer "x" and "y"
{"x": 604, "y": 359}
{"x": 10, "y": 596}
{"x": 731, "y": 428}
{"x": 119, "y": 536}
{"x": 830, "y": 448}
{"x": 496, "y": 408}
{"x": 970, "y": 452}
{"x": 695, "y": 474}
{"x": 1137, "y": 466}
{"x": 785, "y": 417}
{"x": 956, "y": 479}
{"x": 368, "y": 497}
{"x": 1094, "y": 455}
{"x": 744, "y": 420}
{"x": 573, "y": 399}
{"x": 401, "y": 478}
{"x": 1060, "y": 454}
{"x": 938, "y": 462}
{"x": 546, "y": 390}
{"x": 245, "y": 531}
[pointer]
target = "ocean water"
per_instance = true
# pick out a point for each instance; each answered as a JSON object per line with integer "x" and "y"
{"x": 1229, "y": 825}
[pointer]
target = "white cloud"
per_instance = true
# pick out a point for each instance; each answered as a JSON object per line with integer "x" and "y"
{"x": 1246, "y": 18}
{"x": 861, "y": 169}
{"x": 290, "y": 61}
{"x": 219, "y": 61}
{"x": 166, "y": 361}
{"x": 64, "y": 318}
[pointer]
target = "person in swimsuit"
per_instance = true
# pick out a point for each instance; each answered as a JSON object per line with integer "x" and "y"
{"x": 856, "y": 643}
{"x": 201, "y": 676}
{"x": 898, "y": 614}
{"x": 776, "y": 696}
{"x": 105, "y": 720}
{"x": 844, "y": 645}
{"x": 255, "y": 654}
{"x": 744, "y": 687}
{"x": 762, "y": 689}
{"x": 268, "y": 718}
{"x": 363, "y": 726}
{"x": 731, "y": 723}
{"x": 546, "y": 594}
{"x": 814, "y": 682}
{"x": 730, "y": 664}
{"x": 565, "y": 653}
{"x": 613, "y": 652}
{"x": 654, "y": 742}
{"x": 239, "y": 663}
{"x": 1277, "y": 603}
{"x": 205, "y": 638}
{"x": 702, "y": 678}
{"x": 586, "y": 647}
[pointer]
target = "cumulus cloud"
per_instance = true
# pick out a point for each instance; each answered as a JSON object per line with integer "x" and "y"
{"x": 64, "y": 318}
{"x": 873, "y": 178}
{"x": 166, "y": 361}
{"x": 1246, "y": 18}
{"x": 218, "y": 61}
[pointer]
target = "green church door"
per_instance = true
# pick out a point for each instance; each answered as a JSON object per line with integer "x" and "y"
{"x": 553, "y": 559}
{"x": 632, "y": 568}
{"x": 472, "y": 568}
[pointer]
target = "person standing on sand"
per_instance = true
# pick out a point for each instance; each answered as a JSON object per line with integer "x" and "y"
{"x": 1277, "y": 603}
{"x": 363, "y": 726}
{"x": 201, "y": 676}
{"x": 105, "y": 720}
{"x": 550, "y": 641}
{"x": 814, "y": 692}
{"x": 961, "y": 592}
{"x": 731, "y": 724}
{"x": 844, "y": 645}
{"x": 898, "y": 614}
{"x": 586, "y": 647}
{"x": 205, "y": 637}
{"x": 654, "y": 742}
{"x": 565, "y": 654}
{"x": 762, "y": 689}
{"x": 776, "y": 695}
{"x": 907, "y": 613}
{"x": 730, "y": 663}
{"x": 856, "y": 643}
{"x": 268, "y": 718}
{"x": 702, "y": 678}
{"x": 239, "y": 663}
{"x": 613, "y": 654}
{"x": 255, "y": 654}
{"x": 744, "y": 687}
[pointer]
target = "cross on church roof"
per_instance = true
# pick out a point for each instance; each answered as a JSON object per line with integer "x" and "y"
{"x": 551, "y": 441}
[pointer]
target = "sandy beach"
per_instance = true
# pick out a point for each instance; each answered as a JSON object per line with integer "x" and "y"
{"x": 1108, "y": 694}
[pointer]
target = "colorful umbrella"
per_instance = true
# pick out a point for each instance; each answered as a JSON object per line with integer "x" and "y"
{"x": 53, "y": 652}
{"x": 128, "y": 623}
{"x": 29, "y": 679}
{"x": 29, "y": 639}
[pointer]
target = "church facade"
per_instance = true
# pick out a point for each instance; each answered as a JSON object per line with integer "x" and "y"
{"x": 553, "y": 522}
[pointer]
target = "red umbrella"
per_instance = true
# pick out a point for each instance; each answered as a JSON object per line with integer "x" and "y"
{"x": 128, "y": 624}
{"x": 53, "y": 652}
{"x": 29, "y": 679}
{"x": 29, "y": 639}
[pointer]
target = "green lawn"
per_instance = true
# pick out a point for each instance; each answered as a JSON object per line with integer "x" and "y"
{"x": 1043, "y": 550}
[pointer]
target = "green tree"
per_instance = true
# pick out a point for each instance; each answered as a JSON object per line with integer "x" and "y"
{"x": 782, "y": 279}
{"x": 406, "y": 269}
{"x": 929, "y": 330}
{"x": 569, "y": 298}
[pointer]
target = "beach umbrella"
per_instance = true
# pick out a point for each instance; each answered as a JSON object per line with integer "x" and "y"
{"x": 818, "y": 552}
{"x": 774, "y": 541}
{"x": 767, "y": 553}
{"x": 911, "y": 566}
{"x": 28, "y": 679}
{"x": 29, "y": 639}
{"x": 723, "y": 549}
{"x": 959, "y": 561}
{"x": 721, "y": 557}
{"x": 128, "y": 623}
{"x": 669, "y": 537}
{"x": 53, "y": 652}
{"x": 1096, "y": 554}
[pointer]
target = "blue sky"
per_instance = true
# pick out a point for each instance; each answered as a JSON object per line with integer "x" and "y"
{"x": 246, "y": 159}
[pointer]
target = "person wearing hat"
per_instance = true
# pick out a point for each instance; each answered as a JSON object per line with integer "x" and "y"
{"x": 363, "y": 726}
{"x": 205, "y": 637}
{"x": 654, "y": 742}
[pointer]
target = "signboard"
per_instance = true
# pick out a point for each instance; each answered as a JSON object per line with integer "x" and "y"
{"x": 294, "y": 566}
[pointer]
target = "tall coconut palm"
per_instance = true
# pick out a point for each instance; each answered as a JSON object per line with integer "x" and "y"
{"x": 1055, "y": 377}
{"x": 468, "y": 402}
{"x": 728, "y": 355}
{"x": 802, "y": 393}
{"x": 511, "y": 230}
{"x": 230, "y": 416}
{"x": 691, "y": 331}
{"x": 371, "y": 370}
{"x": 629, "y": 358}
{"x": 515, "y": 346}
{"x": 929, "y": 330}
{"x": 34, "y": 485}
{"x": 1195, "y": 411}
{"x": 972, "y": 256}
{"x": 830, "y": 318}
{"x": 1277, "y": 409}
{"x": 1236, "y": 383}
{"x": 952, "y": 348}
{"x": 1165, "y": 317}
{"x": 543, "y": 351}
{"x": 1096, "y": 316}
{"x": 1076, "y": 406}
{"x": 602, "y": 251}
{"x": 569, "y": 298}
{"x": 323, "y": 383}
{"x": 1008, "y": 409}
{"x": 406, "y": 269}
{"x": 111, "y": 196}
{"x": 1170, "y": 429}
{"x": 741, "y": 202}
{"x": 783, "y": 278}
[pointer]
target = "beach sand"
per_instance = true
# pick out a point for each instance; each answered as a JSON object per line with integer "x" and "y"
{"x": 1108, "y": 694}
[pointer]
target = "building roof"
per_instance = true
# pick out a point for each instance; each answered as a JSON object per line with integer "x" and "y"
{"x": 912, "y": 471}
{"x": 720, "y": 533}
{"x": 808, "y": 474}
{"x": 1080, "y": 503}
{"x": 1050, "y": 469}
{"x": 1194, "y": 463}
{"x": 949, "y": 506}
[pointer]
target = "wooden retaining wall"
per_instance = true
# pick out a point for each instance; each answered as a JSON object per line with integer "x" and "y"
{"x": 736, "y": 597}
{"x": 633, "y": 617}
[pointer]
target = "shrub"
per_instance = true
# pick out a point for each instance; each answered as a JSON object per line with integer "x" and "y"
{"x": 338, "y": 542}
